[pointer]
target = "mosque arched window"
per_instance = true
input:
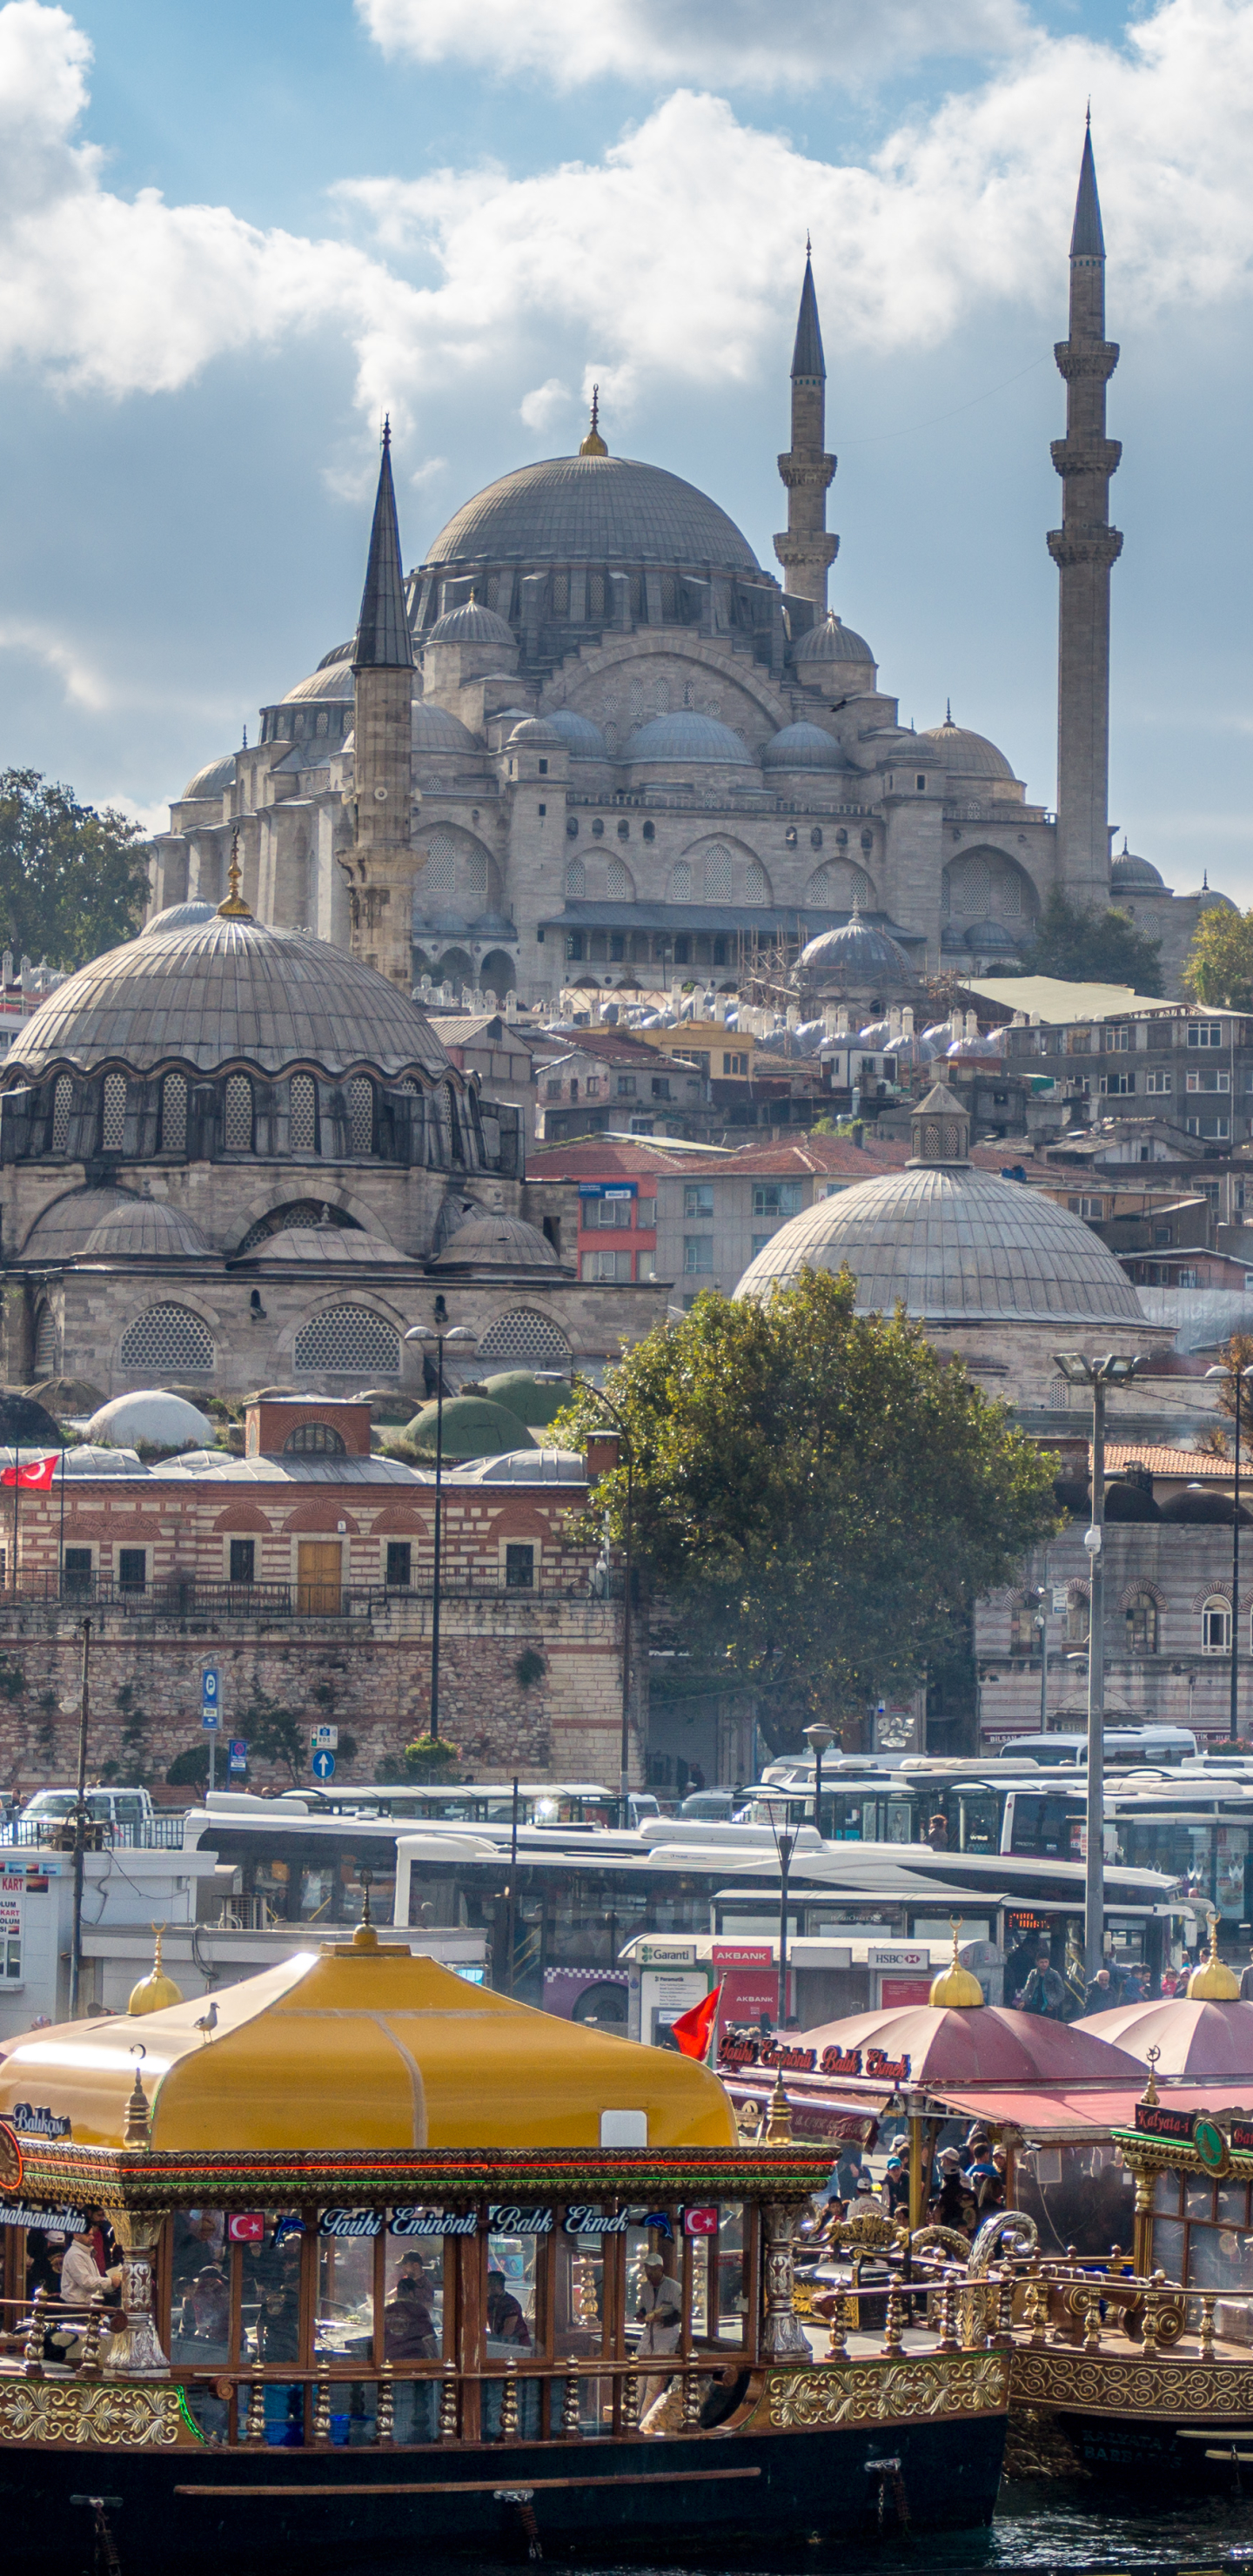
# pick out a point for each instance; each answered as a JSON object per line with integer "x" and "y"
{"x": 526, "y": 1337}
{"x": 1216, "y": 1626}
{"x": 1141, "y": 1614}
{"x": 815, "y": 837}
{"x": 719, "y": 874}
{"x": 45, "y": 1343}
{"x": 237, "y": 1114}
{"x": 756, "y": 887}
{"x": 680, "y": 888}
{"x": 348, "y": 1341}
{"x": 360, "y": 1115}
{"x": 619, "y": 885}
{"x": 576, "y": 881}
{"x": 315, "y": 1440}
{"x": 302, "y": 1114}
{"x": 113, "y": 1113}
{"x": 174, "y": 1114}
{"x": 62, "y": 1103}
{"x": 168, "y": 1338}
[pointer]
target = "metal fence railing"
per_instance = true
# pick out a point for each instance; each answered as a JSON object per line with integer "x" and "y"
{"x": 186, "y": 1597}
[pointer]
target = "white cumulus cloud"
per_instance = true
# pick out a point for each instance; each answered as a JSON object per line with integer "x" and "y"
{"x": 731, "y": 41}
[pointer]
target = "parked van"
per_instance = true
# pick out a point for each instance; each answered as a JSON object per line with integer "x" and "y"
{"x": 1153, "y": 1746}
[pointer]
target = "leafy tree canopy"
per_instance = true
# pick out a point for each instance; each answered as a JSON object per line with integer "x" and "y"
{"x": 817, "y": 1495}
{"x": 72, "y": 882}
{"x": 1219, "y": 970}
{"x": 1088, "y": 946}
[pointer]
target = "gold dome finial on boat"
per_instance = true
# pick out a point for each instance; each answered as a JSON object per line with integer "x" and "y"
{"x": 365, "y": 1937}
{"x": 1213, "y": 1982}
{"x": 779, "y": 2124}
{"x": 155, "y": 1991}
{"x": 955, "y": 1985}
{"x": 1149, "y": 2095}
{"x": 137, "y": 2131}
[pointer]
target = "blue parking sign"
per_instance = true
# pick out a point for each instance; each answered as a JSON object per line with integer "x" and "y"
{"x": 210, "y": 1699}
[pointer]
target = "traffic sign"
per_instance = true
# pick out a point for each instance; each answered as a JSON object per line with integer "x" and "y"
{"x": 238, "y": 1754}
{"x": 210, "y": 1699}
{"x": 323, "y": 1764}
{"x": 324, "y": 1739}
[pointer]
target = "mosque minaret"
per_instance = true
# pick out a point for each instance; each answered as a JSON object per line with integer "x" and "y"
{"x": 1084, "y": 549}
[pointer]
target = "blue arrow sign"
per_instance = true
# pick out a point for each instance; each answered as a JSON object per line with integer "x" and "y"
{"x": 323, "y": 1764}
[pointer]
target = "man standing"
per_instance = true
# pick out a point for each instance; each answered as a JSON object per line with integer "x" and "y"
{"x": 1045, "y": 1991}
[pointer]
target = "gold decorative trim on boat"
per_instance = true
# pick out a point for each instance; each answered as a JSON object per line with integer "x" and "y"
{"x": 108, "y": 2417}
{"x": 894, "y": 2392}
{"x": 1103, "y": 2385}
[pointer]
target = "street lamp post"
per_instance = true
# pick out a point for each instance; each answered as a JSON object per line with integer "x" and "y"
{"x": 1240, "y": 1378}
{"x": 1099, "y": 1375}
{"x": 464, "y": 1338}
{"x": 786, "y": 1837}
{"x": 820, "y": 1739}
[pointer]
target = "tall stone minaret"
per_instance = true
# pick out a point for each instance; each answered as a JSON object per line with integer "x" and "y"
{"x": 806, "y": 551}
{"x": 383, "y": 859}
{"x": 1083, "y": 549}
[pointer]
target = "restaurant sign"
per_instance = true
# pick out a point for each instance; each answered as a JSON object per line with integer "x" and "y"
{"x": 871, "y": 2063}
{"x": 33, "y": 2120}
{"x": 70, "y": 2221}
{"x": 398, "y": 2222}
{"x": 1213, "y": 2137}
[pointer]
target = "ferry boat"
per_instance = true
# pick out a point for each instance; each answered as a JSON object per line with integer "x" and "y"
{"x": 400, "y": 2261}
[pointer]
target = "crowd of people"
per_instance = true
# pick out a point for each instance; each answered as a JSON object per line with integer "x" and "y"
{"x": 967, "y": 2184}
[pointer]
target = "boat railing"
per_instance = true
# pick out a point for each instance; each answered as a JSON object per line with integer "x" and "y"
{"x": 1100, "y": 2303}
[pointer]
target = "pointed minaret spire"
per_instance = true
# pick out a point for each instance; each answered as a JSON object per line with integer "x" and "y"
{"x": 383, "y": 859}
{"x": 1084, "y": 548}
{"x": 806, "y": 552}
{"x": 383, "y": 641}
{"x": 593, "y": 444}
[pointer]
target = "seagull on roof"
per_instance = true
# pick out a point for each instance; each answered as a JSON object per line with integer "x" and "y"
{"x": 207, "y": 2023}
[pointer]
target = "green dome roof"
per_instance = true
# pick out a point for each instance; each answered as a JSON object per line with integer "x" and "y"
{"x": 473, "y": 1428}
{"x": 525, "y": 1397}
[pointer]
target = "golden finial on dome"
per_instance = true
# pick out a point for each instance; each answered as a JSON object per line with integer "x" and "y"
{"x": 137, "y": 2127}
{"x": 365, "y": 1937}
{"x": 1213, "y": 1982}
{"x": 155, "y": 1991}
{"x": 234, "y": 908}
{"x": 955, "y": 1986}
{"x": 593, "y": 444}
{"x": 779, "y": 2124}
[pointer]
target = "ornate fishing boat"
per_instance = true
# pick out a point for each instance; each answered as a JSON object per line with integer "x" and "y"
{"x": 402, "y": 2260}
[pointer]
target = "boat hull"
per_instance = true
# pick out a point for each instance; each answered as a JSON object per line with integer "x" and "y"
{"x": 195, "y": 2508}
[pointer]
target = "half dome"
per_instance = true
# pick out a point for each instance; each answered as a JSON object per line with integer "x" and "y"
{"x": 802, "y": 746}
{"x": 591, "y": 509}
{"x": 952, "y": 1245}
{"x": 226, "y": 990}
{"x": 583, "y": 739}
{"x": 497, "y": 1241}
{"x": 212, "y": 780}
{"x": 688, "y": 736}
{"x": 470, "y": 624}
{"x": 148, "y": 1226}
{"x": 330, "y": 680}
{"x": 434, "y": 729}
{"x": 831, "y": 641}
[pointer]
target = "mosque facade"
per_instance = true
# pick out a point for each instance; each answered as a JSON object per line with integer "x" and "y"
{"x": 591, "y": 740}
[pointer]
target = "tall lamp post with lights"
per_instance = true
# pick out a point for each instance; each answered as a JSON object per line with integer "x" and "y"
{"x": 820, "y": 1740}
{"x": 459, "y": 1337}
{"x": 786, "y": 1837}
{"x": 1239, "y": 1378}
{"x": 1099, "y": 1375}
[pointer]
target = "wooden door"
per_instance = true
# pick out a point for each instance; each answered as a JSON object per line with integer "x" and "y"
{"x": 318, "y": 1577}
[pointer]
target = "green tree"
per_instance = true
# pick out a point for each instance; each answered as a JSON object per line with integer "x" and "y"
{"x": 276, "y": 1734}
{"x": 72, "y": 881}
{"x": 1219, "y": 969}
{"x": 1087, "y": 946}
{"x": 818, "y": 1497}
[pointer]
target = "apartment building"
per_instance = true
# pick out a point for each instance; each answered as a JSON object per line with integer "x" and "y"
{"x": 1187, "y": 1068}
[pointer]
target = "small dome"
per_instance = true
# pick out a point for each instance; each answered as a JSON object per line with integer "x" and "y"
{"x": 687, "y": 736}
{"x": 177, "y": 916}
{"x": 1199, "y": 1504}
{"x": 1213, "y": 1982}
{"x": 64, "y": 1227}
{"x": 534, "y": 1404}
{"x": 473, "y": 1428}
{"x": 956, "y": 1987}
{"x": 435, "y": 730}
{"x": 148, "y": 1226}
{"x": 583, "y": 739}
{"x": 330, "y": 680}
{"x": 469, "y": 624}
{"x": 831, "y": 641}
{"x": 325, "y": 1243}
{"x": 870, "y": 956}
{"x": 497, "y": 1242}
{"x": 991, "y": 939}
{"x": 536, "y": 734}
{"x": 155, "y": 1991}
{"x": 150, "y": 1414}
{"x": 528, "y": 1467}
{"x": 802, "y": 746}
{"x": 967, "y": 755}
{"x": 213, "y": 780}
{"x": 1130, "y": 875}
{"x": 1129, "y": 1497}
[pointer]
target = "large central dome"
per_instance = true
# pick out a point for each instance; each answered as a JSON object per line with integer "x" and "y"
{"x": 227, "y": 989}
{"x": 593, "y": 509}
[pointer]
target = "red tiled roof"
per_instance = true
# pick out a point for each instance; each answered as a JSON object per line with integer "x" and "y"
{"x": 1194, "y": 1465}
{"x": 603, "y": 1158}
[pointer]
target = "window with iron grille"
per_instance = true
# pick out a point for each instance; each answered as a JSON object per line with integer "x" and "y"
{"x": 132, "y": 1569}
{"x": 78, "y": 1569}
{"x": 526, "y": 1336}
{"x": 618, "y": 881}
{"x": 361, "y": 1115}
{"x": 168, "y": 1337}
{"x": 398, "y": 1576}
{"x": 315, "y": 1440}
{"x": 113, "y": 1113}
{"x": 348, "y": 1340}
{"x": 719, "y": 874}
{"x": 302, "y": 1114}
{"x": 519, "y": 1566}
{"x": 576, "y": 881}
{"x": 243, "y": 1560}
{"x": 174, "y": 1114}
{"x": 62, "y": 1102}
{"x": 1142, "y": 1625}
{"x": 45, "y": 1343}
{"x": 237, "y": 1114}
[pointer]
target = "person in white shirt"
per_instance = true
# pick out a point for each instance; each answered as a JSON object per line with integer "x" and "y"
{"x": 659, "y": 2306}
{"x": 81, "y": 2277}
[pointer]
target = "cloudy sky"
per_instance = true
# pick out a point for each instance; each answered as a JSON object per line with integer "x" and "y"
{"x": 231, "y": 237}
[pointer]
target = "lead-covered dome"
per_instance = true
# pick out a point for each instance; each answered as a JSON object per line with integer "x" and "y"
{"x": 177, "y": 916}
{"x": 952, "y": 1245}
{"x": 496, "y": 1241}
{"x": 147, "y": 1226}
{"x": 832, "y": 641}
{"x": 591, "y": 509}
{"x": 330, "y": 680}
{"x": 227, "y": 990}
{"x": 859, "y": 950}
{"x": 1131, "y": 875}
{"x": 434, "y": 729}
{"x": 802, "y": 746}
{"x": 968, "y": 755}
{"x": 213, "y": 780}
{"x": 583, "y": 739}
{"x": 469, "y": 624}
{"x": 688, "y": 736}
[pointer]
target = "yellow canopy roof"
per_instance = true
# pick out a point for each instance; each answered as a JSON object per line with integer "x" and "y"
{"x": 360, "y": 2045}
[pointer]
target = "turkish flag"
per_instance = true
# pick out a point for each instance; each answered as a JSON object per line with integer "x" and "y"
{"x": 701, "y": 2222}
{"x": 37, "y": 1473}
{"x": 245, "y": 2227}
{"x": 691, "y": 2030}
